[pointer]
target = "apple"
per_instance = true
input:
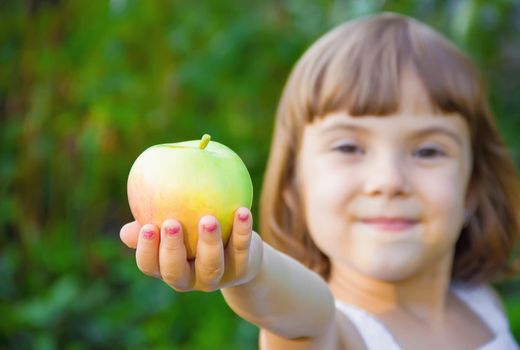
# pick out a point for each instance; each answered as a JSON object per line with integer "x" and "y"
{"x": 185, "y": 181}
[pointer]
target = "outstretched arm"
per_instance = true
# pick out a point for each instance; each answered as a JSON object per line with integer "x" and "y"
{"x": 284, "y": 298}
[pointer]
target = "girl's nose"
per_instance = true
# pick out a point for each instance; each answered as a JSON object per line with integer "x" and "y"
{"x": 387, "y": 176}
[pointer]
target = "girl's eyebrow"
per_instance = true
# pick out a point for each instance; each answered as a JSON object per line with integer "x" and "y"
{"x": 441, "y": 130}
{"x": 344, "y": 126}
{"x": 419, "y": 133}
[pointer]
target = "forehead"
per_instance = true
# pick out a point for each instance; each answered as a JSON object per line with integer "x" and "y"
{"x": 413, "y": 97}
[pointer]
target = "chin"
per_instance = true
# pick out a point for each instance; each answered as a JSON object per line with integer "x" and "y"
{"x": 393, "y": 276}
{"x": 391, "y": 270}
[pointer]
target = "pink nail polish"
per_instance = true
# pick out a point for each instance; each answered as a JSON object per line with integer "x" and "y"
{"x": 148, "y": 234}
{"x": 212, "y": 227}
{"x": 171, "y": 230}
{"x": 243, "y": 216}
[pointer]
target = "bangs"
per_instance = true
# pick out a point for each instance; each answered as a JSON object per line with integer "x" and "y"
{"x": 357, "y": 68}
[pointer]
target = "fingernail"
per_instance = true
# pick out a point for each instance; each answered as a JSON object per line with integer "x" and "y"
{"x": 171, "y": 230}
{"x": 210, "y": 227}
{"x": 243, "y": 216}
{"x": 148, "y": 234}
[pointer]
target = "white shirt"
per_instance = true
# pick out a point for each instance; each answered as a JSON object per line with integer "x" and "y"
{"x": 479, "y": 299}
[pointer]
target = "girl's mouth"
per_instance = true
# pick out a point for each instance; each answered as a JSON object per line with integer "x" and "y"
{"x": 390, "y": 224}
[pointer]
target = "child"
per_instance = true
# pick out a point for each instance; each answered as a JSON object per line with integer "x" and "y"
{"x": 389, "y": 205}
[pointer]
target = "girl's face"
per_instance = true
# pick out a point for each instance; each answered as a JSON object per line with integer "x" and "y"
{"x": 386, "y": 196}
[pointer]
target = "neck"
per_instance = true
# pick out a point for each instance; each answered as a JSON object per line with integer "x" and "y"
{"x": 423, "y": 296}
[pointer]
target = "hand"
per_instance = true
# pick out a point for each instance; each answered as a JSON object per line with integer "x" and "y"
{"x": 162, "y": 253}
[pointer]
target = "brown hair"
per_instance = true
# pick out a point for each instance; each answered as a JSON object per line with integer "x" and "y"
{"x": 357, "y": 68}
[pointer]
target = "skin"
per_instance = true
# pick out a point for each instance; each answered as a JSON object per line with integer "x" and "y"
{"x": 384, "y": 198}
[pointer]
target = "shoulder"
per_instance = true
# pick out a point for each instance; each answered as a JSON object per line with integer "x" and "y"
{"x": 485, "y": 302}
{"x": 478, "y": 293}
{"x": 340, "y": 335}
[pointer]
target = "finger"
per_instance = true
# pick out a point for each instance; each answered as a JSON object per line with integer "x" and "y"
{"x": 129, "y": 234}
{"x": 209, "y": 259}
{"x": 237, "y": 252}
{"x": 173, "y": 264}
{"x": 147, "y": 253}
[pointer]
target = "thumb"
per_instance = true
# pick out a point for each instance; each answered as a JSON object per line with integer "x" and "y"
{"x": 129, "y": 234}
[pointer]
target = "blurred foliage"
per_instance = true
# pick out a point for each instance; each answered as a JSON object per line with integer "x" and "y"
{"x": 86, "y": 85}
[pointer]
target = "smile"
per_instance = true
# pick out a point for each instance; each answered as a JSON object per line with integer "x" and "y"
{"x": 390, "y": 224}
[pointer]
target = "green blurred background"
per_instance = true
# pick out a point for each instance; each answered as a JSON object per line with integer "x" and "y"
{"x": 86, "y": 85}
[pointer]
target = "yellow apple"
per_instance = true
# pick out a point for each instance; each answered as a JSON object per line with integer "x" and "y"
{"x": 185, "y": 181}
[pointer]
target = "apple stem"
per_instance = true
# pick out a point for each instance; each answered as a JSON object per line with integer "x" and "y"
{"x": 204, "y": 141}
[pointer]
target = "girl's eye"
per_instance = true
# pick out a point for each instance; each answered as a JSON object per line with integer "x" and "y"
{"x": 429, "y": 152}
{"x": 348, "y": 148}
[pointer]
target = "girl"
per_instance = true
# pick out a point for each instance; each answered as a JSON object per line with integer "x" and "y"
{"x": 389, "y": 205}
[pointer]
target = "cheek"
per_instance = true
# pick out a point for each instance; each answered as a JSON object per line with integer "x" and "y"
{"x": 326, "y": 197}
{"x": 444, "y": 204}
{"x": 327, "y": 190}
